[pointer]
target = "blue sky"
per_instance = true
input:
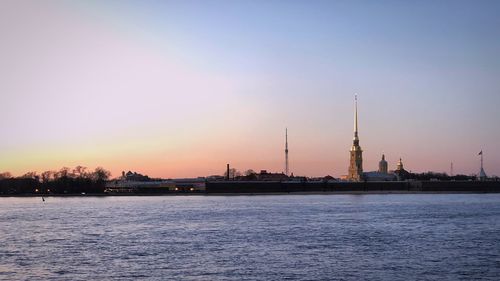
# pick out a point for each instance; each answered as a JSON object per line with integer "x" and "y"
{"x": 192, "y": 85}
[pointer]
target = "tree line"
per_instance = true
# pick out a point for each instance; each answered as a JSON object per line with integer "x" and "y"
{"x": 440, "y": 176}
{"x": 65, "y": 181}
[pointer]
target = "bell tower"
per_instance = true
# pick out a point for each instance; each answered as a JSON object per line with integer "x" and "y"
{"x": 382, "y": 165}
{"x": 356, "y": 161}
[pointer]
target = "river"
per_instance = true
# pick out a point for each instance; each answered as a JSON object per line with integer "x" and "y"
{"x": 271, "y": 237}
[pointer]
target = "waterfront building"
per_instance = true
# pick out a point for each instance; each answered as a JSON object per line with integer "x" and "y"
{"x": 378, "y": 176}
{"x": 356, "y": 154}
{"x": 328, "y": 178}
{"x": 382, "y": 173}
{"x": 134, "y": 176}
{"x": 382, "y": 165}
{"x": 400, "y": 172}
{"x": 266, "y": 176}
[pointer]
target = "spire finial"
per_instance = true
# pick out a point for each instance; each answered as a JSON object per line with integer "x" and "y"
{"x": 286, "y": 139}
{"x": 355, "y": 117}
{"x": 356, "y": 113}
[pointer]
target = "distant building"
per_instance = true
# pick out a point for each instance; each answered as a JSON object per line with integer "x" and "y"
{"x": 382, "y": 165}
{"x": 400, "y": 172}
{"x": 216, "y": 178}
{"x": 154, "y": 185}
{"x": 329, "y": 178}
{"x": 356, "y": 154}
{"x": 378, "y": 176}
{"x": 133, "y": 176}
{"x": 482, "y": 174}
{"x": 382, "y": 173}
{"x": 265, "y": 176}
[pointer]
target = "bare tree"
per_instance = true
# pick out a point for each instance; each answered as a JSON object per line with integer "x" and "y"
{"x": 5, "y": 175}
{"x": 64, "y": 172}
{"x": 48, "y": 176}
{"x": 100, "y": 174}
{"x": 249, "y": 172}
{"x": 232, "y": 173}
{"x": 80, "y": 171}
{"x": 30, "y": 175}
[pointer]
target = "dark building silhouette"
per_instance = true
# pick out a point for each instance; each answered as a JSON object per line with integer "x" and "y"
{"x": 133, "y": 176}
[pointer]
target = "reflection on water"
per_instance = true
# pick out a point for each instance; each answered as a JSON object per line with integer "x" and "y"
{"x": 295, "y": 237}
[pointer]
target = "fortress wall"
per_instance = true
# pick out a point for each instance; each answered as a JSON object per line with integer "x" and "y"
{"x": 395, "y": 186}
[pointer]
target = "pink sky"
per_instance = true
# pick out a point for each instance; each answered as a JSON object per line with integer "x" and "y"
{"x": 174, "y": 96}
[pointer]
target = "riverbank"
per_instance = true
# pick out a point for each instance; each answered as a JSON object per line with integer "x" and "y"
{"x": 373, "y": 192}
{"x": 227, "y": 188}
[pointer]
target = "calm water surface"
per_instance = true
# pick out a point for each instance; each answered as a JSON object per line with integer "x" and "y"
{"x": 296, "y": 237}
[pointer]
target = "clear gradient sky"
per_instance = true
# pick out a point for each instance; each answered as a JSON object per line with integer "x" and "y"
{"x": 180, "y": 88}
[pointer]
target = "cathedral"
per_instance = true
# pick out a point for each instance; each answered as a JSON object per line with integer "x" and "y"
{"x": 356, "y": 161}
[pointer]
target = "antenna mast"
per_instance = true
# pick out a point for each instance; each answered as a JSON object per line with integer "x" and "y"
{"x": 286, "y": 151}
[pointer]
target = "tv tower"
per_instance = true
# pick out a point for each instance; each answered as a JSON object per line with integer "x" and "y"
{"x": 286, "y": 151}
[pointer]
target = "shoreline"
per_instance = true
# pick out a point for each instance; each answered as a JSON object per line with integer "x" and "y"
{"x": 372, "y": 192}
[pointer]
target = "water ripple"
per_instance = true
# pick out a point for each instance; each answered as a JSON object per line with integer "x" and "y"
{"x": 324, "y": 237}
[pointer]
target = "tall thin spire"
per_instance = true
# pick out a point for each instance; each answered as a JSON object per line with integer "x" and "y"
{"x": 356, "y": 161}
{"x": 286, "y": 151}
{"x": 355, "y": 116}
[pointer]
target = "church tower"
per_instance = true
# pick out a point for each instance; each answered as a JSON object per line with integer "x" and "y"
{"x": 356, "y": 162}
{"x": 382, "y": 165}
{"x": 399, "y": 167}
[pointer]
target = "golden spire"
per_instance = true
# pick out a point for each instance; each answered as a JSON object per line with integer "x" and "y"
{"x": 355, "y": 117}
{"x": 356, "y": 162}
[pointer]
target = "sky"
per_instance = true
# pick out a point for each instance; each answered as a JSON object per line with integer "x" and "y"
{"x": 180, "y": 88}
